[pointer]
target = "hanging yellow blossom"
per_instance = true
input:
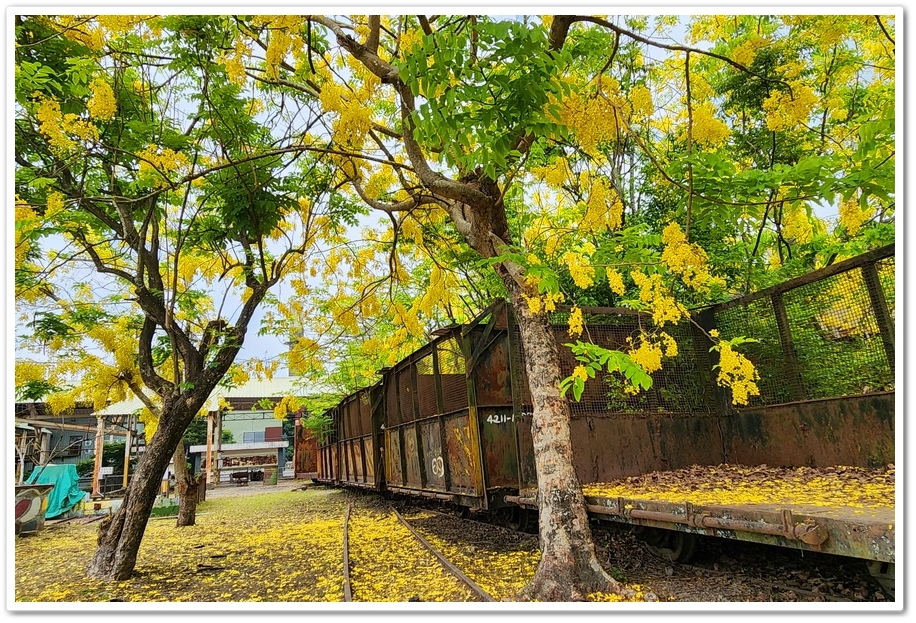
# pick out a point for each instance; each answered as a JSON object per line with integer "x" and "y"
{"x": 157, "y": 162}
{"x": 785, "y": 111}
{"x": 576, "y": 323}
{"x": 687, "y": 260}
{"x": 580, "y": 373}
{"x": 796, "y": 226}
{"x": 26, "y": 221}
{"x": 853, "y": 216}
{"x": 102, "y": 105}
{"x": 654, "y": 294}
{"x": 580, "y": 269}
{"x": 62, "y": 131}
{"x": 615, "y": 282}
{"x": 737, "y": 372}
{"x": 641, "y": 102}
{"x": 648, "y": 356}
{"x": 708, "y": 131}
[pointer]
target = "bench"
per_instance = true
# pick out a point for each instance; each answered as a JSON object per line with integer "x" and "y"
{"x": 239, "y": 478}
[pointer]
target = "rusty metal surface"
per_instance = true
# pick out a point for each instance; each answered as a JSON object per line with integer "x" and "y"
{"x": 460, "y": 454}
{"x": 411, "y": 463}
{"x": 393, "y": 471}
{"x": 611, "y": 447}
{"x": 500, "y": 446}
{"x": 853, "y": 430}
{"x": 845, "y": 531}
{"x": 431, "y": 441}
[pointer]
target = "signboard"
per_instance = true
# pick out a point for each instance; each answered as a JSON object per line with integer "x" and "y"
{"x": 106, "y": 471}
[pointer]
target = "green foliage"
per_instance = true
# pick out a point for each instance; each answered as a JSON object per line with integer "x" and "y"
{"x": 320, "y": 424}
{"x": 594, "y": 358}
{"x": 112, "y": 456}
{"x": 196, "y": 433}
{"x": 485, "y": 83}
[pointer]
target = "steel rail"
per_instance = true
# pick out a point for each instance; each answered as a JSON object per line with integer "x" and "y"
{"x": 444, "y": 561}
{"x": 348, "y": 591}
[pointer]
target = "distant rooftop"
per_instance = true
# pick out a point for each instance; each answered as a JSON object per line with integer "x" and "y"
{"x": 242, "y": 397}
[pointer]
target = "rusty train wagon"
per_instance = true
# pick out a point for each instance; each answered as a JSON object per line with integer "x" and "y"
{"x": 452, "y": 420}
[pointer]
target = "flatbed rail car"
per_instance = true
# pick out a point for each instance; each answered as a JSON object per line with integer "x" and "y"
{"x": 452, "y": 420}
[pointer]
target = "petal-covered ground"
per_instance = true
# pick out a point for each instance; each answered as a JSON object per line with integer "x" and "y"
{"x": 281, "y": 546}
{"x": 387, "y": 563}
{"x": 284, "y": 543}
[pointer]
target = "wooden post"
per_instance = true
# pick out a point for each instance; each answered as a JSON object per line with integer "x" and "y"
{"x": 99, "y": 446}
{"x": 44, "y": 447}
{"x": 210, "y": 482}
{"x": 23, "y": 448}
{"x": 127, "y": 442}
{"x": 218, "y": 442}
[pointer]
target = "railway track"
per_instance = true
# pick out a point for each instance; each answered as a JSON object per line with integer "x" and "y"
{"x": 753, "y": 569}
{"x": 479, "y": 593}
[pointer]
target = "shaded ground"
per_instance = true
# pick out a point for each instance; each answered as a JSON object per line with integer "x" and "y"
{"x": 284, "y": 544}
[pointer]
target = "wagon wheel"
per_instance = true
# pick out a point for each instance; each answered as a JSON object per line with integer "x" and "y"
{"x": 670, "y": 545}
{"x": 524, "y": 520}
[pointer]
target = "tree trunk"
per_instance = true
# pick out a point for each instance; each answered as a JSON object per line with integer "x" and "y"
{"x": 569, "y": 569}
{"x": 119, "y": 538}
{"x": 186, "y": 484}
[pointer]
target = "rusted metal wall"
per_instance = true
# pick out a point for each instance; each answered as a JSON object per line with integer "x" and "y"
{"x": 851, "y": 430}
{"x": 305, "y": 454}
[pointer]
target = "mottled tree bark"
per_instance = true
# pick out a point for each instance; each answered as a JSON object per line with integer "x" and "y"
{"x": 186, "y": 485}
{"x": 569, "y": 569}
{"x": 119, "y": 539}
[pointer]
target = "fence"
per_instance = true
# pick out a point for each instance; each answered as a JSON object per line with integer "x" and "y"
{"x": 827, "y": 334}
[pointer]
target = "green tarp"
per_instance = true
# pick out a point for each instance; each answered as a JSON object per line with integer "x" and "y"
{"x": 66, "y": 492}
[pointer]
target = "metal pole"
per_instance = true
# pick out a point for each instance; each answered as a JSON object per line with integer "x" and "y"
{"x": 99, "y": 446}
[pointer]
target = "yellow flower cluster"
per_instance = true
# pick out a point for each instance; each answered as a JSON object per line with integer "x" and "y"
{"x": 302, "y": 358}
{"x": 615, "y": 282}
{"x": 234, "y": 62}
{"x": 582, "y": 272}
{"x": 379, "y": 182}
{"x": 157, "y": 162}
{"x": 655, "y": 295}
{"x": 852, "y": 216}
{"x": 745, "y": 52}
{"x": 576, "y": 324}
{"x": 556, "y": 173}
{"x": 785, "y": 111}
{"x": 687, "y": 260}
{"x": 604, "y": 209}
{"x": 26, "y": 221}
{"x": 738, "y": 373}
{"x": 102, "y": 105}
{"x": 796, "y": 226}
{"x": 353, "y": 120}
{"x": 648, "y": 355}
{"x": 277, "y": 49}
{"x": 593, "y": 119}
{"x": 546, "y": 301}
{"x": 641, "y": 102}
{"x": 54, "y": 204}
{"x": 62, "y": 131}
{"x": 708, "y": 131}
{"x": 580, "y": 373}
{"x": 288, "y": 405}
